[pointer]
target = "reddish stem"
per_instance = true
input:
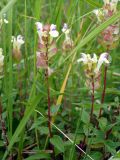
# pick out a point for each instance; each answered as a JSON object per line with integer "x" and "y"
{"x": 92, "y": 99}
{"x": 104, "y": 91}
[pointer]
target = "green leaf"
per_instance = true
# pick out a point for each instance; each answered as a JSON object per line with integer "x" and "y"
{"x": 44, "y": 130}
{"x": 7, "y": 7}
{"x": 93, "y": 3}
{"x": 58, "y": 143}
{"x": 85, "y": 117}
{"x": 102, "y": 123}
{"x": 39, "y": 156}
{"x": 96, "y": 155}
{"x": 110, "y": 146}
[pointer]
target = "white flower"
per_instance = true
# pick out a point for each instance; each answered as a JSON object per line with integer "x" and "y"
{"x": 102, "y": 59}
{"x": 93, "y": 63}
{"x": 66, "y": 31}
{"x": 17, "y": 41}
{"x": 106, "y": 2}
{"x": 65, "y": 28}
{"x": 99, "y": 14}
{"x": 5, "y": 21}
{"x": 53, "y": 32}
{"x": 1, "y": 60}
{"x": 39, "y": 26}
{"x": 112, "y": 3}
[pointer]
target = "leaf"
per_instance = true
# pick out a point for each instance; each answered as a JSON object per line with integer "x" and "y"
{"x": 85, "y": 117}
{"x": 96, "y": 155}
{"x": 58, "y": 143}
{"x": 44, "y": 130}
{"x": 7, "y": 7}
{"x": 102, "y": 123}
{"x": 39, "y": 156}
{"x": 110, "y": 146}
{"x": 23, "y": 122}
{"x": 93, "y": 3}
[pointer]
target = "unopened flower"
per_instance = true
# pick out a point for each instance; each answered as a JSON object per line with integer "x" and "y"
{"x": 17, "y": 43}
{"x": 92, "y": 67}
{"x": 68, "y": 42}
{"x": 1, "y": 60}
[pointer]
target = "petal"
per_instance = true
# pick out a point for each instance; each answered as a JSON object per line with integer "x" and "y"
{"x": 20, "y": 39}
{"x": 94, "y": 59}
{"x": 102, "y": 59}
{"x": 80, "y": 60}
{"x": 65, "y": 27}
{"x": 83, "y": 58}
{"x": 54, "y": 34}
{"x": 96, "y": 12}
{"x": 39, "y": 26}
{"x": 5, "y": 21}
{"x": 106, "y": 2}
{"x": 52, "y": 27}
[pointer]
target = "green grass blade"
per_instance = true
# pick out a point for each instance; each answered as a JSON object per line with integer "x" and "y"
{"x": 7, "y": 7}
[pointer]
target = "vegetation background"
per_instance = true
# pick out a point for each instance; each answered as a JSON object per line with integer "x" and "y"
{"x": 23, "y": 87}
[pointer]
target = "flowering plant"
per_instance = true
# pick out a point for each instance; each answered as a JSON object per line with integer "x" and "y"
{"x": 92, "y": 67}
{"x": 68, "y": 42}
{"x": 110, "y": 36}
{"x": 46, "y": 44}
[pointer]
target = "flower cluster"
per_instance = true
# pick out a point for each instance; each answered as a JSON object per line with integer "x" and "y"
{"x": 1, "y": 60}
{"x": 17, "y": 43}
{"x": 110, "y": 36}
{"x": 68, "y": 42}
{"x": 46, "y": 44}
{"x": 92, "y": 68}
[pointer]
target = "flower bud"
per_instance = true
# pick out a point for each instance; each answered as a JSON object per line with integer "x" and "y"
{"x": 17, "y": 43}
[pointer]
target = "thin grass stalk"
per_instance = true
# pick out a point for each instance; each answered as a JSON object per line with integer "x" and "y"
{"x": 10, "y": 75}
{"x": 37, "y": 11}
{"x": 26, "y": 52}
{"x": 92, "y": 100}
{"x": 26, "y": 83}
